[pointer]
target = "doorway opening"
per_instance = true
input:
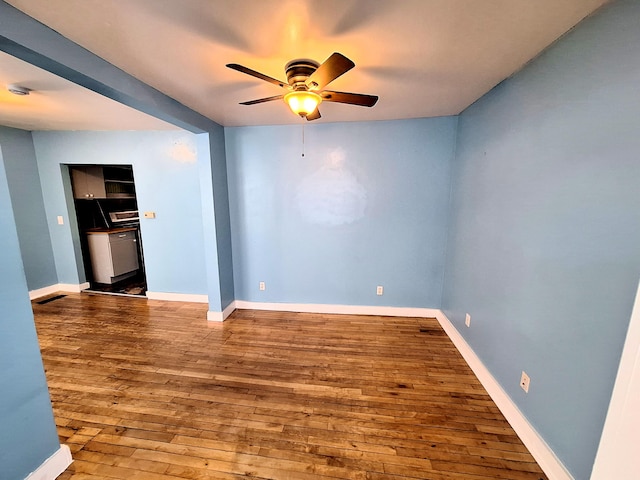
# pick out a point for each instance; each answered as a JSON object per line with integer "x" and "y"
{"x": 107, "y": 214}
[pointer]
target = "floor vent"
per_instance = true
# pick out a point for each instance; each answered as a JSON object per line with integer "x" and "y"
{"x": 50, "y": 299}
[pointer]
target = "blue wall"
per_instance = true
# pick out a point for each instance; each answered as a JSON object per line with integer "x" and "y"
{"x": 165, "y": 168}
{"x": 28, "y": 207}
{"x": 208, "y": 223}
{"x": 365, "y": 206}
{"x": 216, "y": 222}
{"x": 219, "y": 178}
{"x": 544, "y": 247}
{"x": 27, "y": 430}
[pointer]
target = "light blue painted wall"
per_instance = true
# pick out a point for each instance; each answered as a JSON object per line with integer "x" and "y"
{"x": 208, "y": 223}
{"x": 366, "y": 206}
{"x": 28, "y": 207}
{"x": 27, "y": 430}
{"x": 544, "y": 248}
{"x": 165, "y": 168}
{"x": 219, "y": 178}
{"x": 215, "y": 210}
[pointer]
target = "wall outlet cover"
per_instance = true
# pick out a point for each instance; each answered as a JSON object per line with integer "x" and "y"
{"x": 467, "y": 320}
{"x": 379, "y": 290}
{"x": 524, "y": 382}
{"x": 263, "y": 287}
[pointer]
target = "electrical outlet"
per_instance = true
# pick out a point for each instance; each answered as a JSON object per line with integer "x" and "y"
{"x": 60, "y": 220}
{"x": 467, "y": 320}
{"x": 379, "y": 290}
{"x": 149, "y": 214}
{"x": 524, "y": 381}
{"x": 262, "y": 286}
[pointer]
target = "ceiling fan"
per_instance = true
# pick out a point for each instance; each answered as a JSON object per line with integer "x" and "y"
{"x": 306, "y": 80}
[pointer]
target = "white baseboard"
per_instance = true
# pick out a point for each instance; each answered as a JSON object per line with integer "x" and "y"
{"x": 546, "y": 458}
{"x": 617, "y": 453}
{"x": 323, "y": 308}
{"x": 221, "y": 316}
{"x": 73, "y": 287}
{"x": 178, "y": 297}
{"x": 53, "y": 466}
{"x": 43, "y": 292}
{"x": 58, "y": 287}
{"x": 339, "y": 309}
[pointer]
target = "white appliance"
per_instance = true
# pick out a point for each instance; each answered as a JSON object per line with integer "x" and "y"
{"x": 123, "y": 218}
{"x": 114, "y": 256}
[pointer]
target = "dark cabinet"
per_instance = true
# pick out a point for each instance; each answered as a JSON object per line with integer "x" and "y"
{"x": 88, "y": 182}
{"x": 102, "y": 181}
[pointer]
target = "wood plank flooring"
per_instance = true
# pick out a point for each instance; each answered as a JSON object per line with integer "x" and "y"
{"x": 149, "y": 390}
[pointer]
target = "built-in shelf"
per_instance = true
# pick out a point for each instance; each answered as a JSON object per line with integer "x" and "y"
{"x": 103, "y": 181}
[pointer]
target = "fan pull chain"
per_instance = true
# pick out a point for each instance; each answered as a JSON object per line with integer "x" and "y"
{"x": 303, "y": 139}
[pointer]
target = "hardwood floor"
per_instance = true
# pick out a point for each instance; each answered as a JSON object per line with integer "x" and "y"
{"x": 149, "y": 390}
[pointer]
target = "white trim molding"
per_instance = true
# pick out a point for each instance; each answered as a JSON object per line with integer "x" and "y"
{"x": 43, "y": 292}
{"x": 178, "y": 297}
{"x": 58, "y": 287}
{"x": 546, "y": 458}
{"x": 53, "y": 466}
{"x": 73, "y": 287}
{"x": 221, "y": 316}
{"x": 339, "y": 309}
{"x": 617, "y": 455}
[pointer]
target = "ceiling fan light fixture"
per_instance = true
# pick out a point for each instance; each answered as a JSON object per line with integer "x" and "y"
{"x": 18, "y": 90}
{"x": 306, "y": 82}
{"x": 302, "y": 102}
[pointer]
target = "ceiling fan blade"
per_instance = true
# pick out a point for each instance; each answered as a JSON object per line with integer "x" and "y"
{"x": 332, "y": 68}
{"x": 350, "y": 98}
{"x": 262, "y": 100}
{"x": 253, "y": 73}
{"x": 314, "y": 115}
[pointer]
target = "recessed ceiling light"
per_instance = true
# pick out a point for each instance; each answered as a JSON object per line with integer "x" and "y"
{"x": 18, "y": 90}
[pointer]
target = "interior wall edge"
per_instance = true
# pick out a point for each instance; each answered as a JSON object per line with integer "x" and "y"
{"x": 446, "y": 253}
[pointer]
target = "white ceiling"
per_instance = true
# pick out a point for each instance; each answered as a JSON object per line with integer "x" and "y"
{"x": 423, "y": 58}
{"x": 57, "y": 104}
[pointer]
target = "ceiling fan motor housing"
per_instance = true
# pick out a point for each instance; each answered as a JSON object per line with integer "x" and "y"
{"x": 298, "y": 71}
